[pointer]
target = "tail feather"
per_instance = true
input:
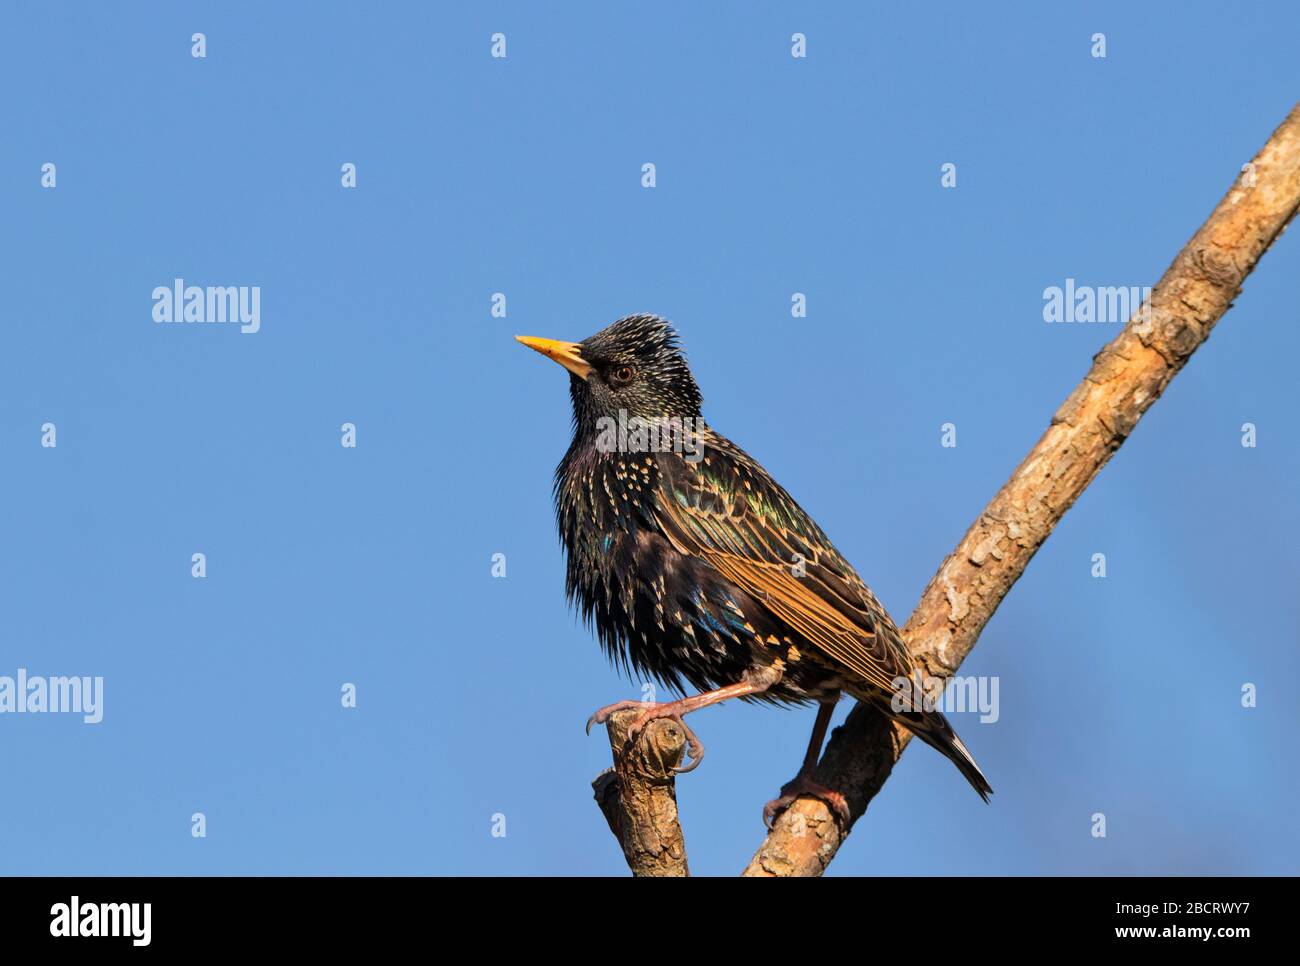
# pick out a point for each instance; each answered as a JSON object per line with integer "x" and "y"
{"x": 933, "y": 728}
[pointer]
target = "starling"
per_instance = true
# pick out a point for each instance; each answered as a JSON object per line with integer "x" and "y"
{"x": 698, "y": 569}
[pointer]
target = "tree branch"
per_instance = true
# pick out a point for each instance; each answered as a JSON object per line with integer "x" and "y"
{"x": 1127, "y": 376}
{"x": 639, "y": 798}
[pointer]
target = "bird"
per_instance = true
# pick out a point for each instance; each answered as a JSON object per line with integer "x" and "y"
{"x": 697, "y": 569}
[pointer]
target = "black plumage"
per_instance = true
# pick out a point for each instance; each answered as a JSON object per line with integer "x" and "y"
{"x": 696, "y": 568}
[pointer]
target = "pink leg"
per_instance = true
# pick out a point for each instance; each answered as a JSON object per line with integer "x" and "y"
{"x": 803, "y": 783}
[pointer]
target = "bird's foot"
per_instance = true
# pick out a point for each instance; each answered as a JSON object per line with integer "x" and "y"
{"x": 607, "y": 712}
{"x": 803, "y": 784}
{"x": 651, "y": 710}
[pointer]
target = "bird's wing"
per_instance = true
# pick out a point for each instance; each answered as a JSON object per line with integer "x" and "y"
{"x": 727, "y": 510}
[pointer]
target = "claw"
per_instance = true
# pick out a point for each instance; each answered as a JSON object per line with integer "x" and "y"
{"x": 694, "y": 750}
{"x": 694, "y": 747}
{"x": 649, "y": 712}
{"x": 603, "y": 715}
{"x": 801, "y": 785}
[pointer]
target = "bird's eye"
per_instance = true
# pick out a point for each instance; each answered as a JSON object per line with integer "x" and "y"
{"x": 623, "y": 375}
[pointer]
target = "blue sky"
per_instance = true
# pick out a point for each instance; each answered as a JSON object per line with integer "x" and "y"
{"x": 372, "y": 565}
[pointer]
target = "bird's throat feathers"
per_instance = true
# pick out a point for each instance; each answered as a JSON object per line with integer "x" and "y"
{"x": 639, "y": 435}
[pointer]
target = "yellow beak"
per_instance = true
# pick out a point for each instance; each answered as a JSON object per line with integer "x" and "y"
{"x": 567, "y": 354}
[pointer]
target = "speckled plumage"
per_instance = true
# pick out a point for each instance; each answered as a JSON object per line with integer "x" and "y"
{"x": 705, "y": 573}
{"x": 646, "y": 537}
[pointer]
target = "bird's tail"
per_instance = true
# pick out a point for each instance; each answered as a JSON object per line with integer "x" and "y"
{"x": 933, "y": 728}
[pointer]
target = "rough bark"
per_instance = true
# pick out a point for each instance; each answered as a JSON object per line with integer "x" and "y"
{"x": 638, "y": 797}
{"x": 1127, "y": 376}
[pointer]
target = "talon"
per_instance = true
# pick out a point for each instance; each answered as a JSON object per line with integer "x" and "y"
{"x": 603, "y": 715}
{"x": 694, "y": 747}
{"x": 651, "y": 711}
{"x": 803, "y": 785}
{"x": 771, "y": 810}
{"x": 694, "y": 750}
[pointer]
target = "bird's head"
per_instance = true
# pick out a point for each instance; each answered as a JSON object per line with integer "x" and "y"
{"x": 634, "y": 366}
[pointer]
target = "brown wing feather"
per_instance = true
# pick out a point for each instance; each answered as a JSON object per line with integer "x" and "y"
{"x": 728, "y": 511}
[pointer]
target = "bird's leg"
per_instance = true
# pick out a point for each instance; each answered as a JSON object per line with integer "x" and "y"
{"x": 754, "y": 682}
{"x": 803, "y": 783}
